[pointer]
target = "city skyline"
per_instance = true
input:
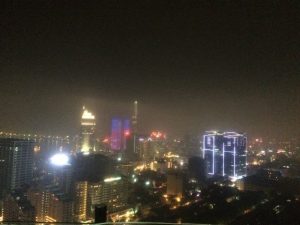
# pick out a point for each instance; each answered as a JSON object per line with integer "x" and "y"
{"x": 104, "y": 129}
{"x": 150, "y": 112}
{"x": 199, "y": 66}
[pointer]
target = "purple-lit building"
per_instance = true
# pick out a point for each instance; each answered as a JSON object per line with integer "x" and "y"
{"x": 120, "y": 132}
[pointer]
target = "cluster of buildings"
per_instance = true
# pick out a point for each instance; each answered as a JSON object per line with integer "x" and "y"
{"x": 53, "y": 179}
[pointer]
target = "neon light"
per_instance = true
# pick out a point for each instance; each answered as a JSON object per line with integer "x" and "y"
{"x": 111, "y": 179}
{"x": 225, "y": 145}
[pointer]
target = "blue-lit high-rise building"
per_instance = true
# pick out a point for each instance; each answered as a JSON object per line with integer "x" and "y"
{"x": 120, "y": 132}
{"x": 225, "y": 153}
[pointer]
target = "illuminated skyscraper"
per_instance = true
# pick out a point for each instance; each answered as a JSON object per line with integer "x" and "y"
{"x": 225, "y": 153}
{"x": 120, "y": 132}
{"x": 87, "y": 139}
{"x": 234, "y": 154}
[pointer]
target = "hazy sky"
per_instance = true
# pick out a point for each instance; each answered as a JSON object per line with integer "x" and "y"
{"x": 192, "y": 65}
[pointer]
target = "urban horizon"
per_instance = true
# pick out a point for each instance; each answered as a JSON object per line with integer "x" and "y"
{"x": 150, "y": 112}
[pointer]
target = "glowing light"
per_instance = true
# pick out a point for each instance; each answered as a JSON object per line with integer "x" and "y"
{"x": 119, "y": 159}
{"x": 157, "y": 134}
{"x": 37, "y": 149}
{"x": 106, "y": 140}
{"x": 170, "y": 155}
{"x": 60, "y": 159}
{"x": 127, "y": 133}
{"x": 280, "y": 151}
{"x": 178, "y": 199}
{"x": 50, "y": 219}
{"x": 147, "y": 183}
{"x": 111, "y": 179}
{"x": 87, "y": 115}
{"x": 140, "y": 167}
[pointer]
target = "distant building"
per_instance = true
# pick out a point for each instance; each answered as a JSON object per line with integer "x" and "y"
{"x": 87, "y": 134}
{"x": 120, "y": 133}
{"x": 225, "y": 153}
{"x": 16, "y": 163}
{"x": 16, "y": 208}
{"x": 135, "y": 133}
{"x": 125, "y": 168}
{"x": 197, "y": 168}
{"x": 174, "y": 184}
{"x": 51, "y": 205}
{"x": 190, "y": 146}
{"x": 135, "y": 118}
{"x": 152, "y": 147}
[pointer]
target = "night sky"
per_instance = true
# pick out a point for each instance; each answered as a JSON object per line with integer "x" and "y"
{"x": 192, "y": 65}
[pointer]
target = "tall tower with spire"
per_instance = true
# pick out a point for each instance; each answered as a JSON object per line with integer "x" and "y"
{"x": 135, "y": 126}
{"x": 135, "y": 118}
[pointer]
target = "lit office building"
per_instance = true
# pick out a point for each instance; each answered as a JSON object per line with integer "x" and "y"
{"x": 87, "y": 135}
{"x": 16, "y": 163}
{"x": 225, "y": 154}
{"x": 80, "y": 200}
{"x": 112, "y": 191}
{"x": 51, "y": 205}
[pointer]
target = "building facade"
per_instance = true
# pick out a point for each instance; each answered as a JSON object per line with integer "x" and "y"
{"x": 50, "y": 205}
{"x": 17, "y": 208}
{"x": 120, "y": 133}
{"x": 225, "y": 154}
{"x": 87, "y": 134}
{"x": 16, "y": 163}
{"x": 112, "y": 192}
